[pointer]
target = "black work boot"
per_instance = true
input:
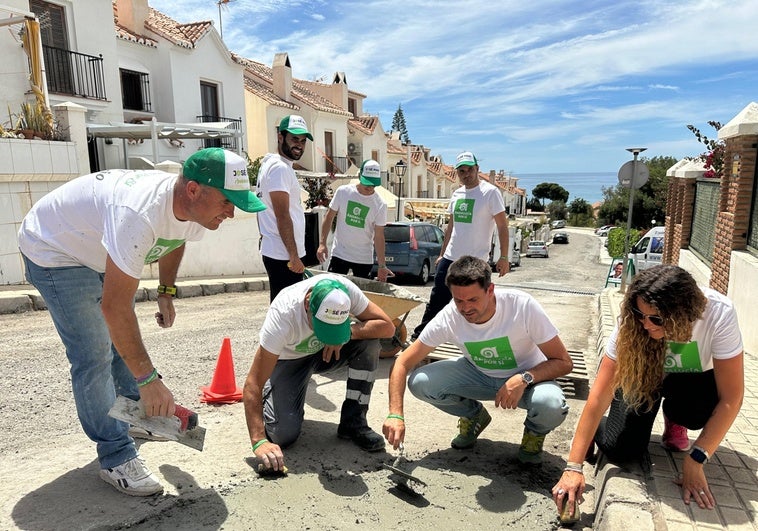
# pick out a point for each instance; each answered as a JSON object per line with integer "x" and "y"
{"x": 353, "y": 426}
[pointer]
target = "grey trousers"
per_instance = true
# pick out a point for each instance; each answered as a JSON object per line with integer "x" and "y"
{"x": 284, "y": 392}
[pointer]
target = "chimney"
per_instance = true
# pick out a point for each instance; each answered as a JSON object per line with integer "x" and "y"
{"x": 282, "y": 73}
{"x": 339, "y": 90}
{"x": 132, "y": 14}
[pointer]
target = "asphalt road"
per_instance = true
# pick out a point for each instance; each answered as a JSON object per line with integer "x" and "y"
{"x": 50, "y": 470}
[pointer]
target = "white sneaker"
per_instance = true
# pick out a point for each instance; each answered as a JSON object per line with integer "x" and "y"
{"x": 132, "y": 478}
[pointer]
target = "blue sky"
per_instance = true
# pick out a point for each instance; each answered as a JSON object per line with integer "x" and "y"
{"x": 530, "y": 87}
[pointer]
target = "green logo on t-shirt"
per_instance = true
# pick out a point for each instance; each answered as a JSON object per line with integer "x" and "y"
{"x": 683, "y": 357}
{"x": 463, "y": 211}
{"x": 161, "y": 248}
{"x": 356, "y": 213}
{"x": 309, "y": 345}
{"x": 492, "y": 353}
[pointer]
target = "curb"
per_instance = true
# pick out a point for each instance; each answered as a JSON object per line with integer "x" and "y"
{"x": 623, "y": 497}
{"x": 13, "y": 300}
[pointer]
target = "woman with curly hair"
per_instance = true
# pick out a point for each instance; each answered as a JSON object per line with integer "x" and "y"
{"x": 676, "y": 343}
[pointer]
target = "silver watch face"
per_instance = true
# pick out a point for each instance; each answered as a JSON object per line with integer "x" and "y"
{"x": 527, "y": 377}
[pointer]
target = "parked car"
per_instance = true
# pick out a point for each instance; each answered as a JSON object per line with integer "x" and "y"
{"x": 411, "y": 249}
{"x": 536, "y": 248}
{"x": 603, "y": 231}
{"x": 561, "y": 237}
{"x": 558, "y": 224}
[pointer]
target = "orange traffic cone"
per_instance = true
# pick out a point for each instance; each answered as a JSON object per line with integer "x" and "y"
{"x": 223, "y": 388}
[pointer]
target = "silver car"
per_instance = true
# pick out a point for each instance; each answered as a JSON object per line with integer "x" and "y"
{"x": 536, "y": 248}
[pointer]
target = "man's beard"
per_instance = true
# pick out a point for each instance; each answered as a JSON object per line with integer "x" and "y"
{"x": 287, "y": 152}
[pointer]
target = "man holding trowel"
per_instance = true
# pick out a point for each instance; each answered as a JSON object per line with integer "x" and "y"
{"x": 84, "y": 246}
{"x": 308, "y": 330}
{"x": 511, "y": 354}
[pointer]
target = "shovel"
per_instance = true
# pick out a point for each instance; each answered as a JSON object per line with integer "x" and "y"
{"x": 404, "y": 481}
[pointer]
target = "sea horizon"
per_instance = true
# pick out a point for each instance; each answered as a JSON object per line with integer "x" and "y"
{"x": 584, "y": 185}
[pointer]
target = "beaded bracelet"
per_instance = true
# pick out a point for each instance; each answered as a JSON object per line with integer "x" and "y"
{"x": 259, "y": 444}
{"x": 398, "y": 417}
{"x": 144, "y": 380}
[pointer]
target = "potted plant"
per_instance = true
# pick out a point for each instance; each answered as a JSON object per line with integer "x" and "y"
{"x": 35, "y": 121}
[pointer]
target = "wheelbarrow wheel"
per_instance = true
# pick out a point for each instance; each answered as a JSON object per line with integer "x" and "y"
{"x": 392, "y": 345}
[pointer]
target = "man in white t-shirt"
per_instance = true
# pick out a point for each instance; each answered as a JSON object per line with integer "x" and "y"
{"x": 84, "y": 246}
{"x": 308, "y": 330}
{"x": 282, "y": 224}
{"x": 361, "y": 216}
{"x": 475, "y": 209}
{"x": 511, "y": 353}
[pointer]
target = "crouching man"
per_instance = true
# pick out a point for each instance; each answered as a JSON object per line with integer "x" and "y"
{"x": 308, "y": 330}
{"x": 511, "y": 353}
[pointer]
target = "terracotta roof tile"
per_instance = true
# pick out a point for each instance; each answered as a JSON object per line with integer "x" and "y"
{"x": 267, "y": 94}
{"x": 124, "y": 34}
{"x": 263, "y": 77}
{"x": 184, "y": 35}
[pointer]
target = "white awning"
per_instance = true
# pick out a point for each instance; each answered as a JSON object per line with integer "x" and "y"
{"x": 163, "y": 130}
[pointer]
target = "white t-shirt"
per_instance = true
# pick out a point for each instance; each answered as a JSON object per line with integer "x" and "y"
{"x": 286, "y": 330}
{"x": 473, "y": 210}
{"x": 276, "y": 175}
{"x": 122, "y": 213}
{"x": 716, "y": 335}
{"x": 504, "y": 345}
{"x": 357, "y": 217}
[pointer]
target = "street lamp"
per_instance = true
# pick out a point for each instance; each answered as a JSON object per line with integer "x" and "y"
{"x": 635, "y": 182}
{"x": 400, "y": 169}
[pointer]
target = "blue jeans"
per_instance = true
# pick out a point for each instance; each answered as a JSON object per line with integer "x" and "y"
{"x": 457, "y": 386}
{"x": 98, "y": 373}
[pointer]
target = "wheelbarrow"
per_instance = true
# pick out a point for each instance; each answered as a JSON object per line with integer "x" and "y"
{"x": 396, "y": 301}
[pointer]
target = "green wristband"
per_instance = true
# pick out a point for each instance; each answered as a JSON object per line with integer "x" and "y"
{"x": 398, "y": 417}
{"x": 259, "y": 444}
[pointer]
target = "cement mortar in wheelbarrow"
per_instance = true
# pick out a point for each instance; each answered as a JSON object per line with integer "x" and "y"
{"x": 395, "y": 301}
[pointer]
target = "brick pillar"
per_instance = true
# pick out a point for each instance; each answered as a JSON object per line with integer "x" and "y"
{"x": 737, "y": 185}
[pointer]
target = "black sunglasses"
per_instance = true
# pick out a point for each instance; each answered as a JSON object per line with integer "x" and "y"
{"x": 657, "y": 320}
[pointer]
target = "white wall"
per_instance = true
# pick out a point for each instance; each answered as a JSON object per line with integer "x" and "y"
{"x": 743, "y": 291}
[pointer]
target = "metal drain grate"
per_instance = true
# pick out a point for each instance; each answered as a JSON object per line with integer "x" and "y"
{"x": 575, "y": 384}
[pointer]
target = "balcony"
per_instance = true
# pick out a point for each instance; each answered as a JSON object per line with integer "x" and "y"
{"x": 73, "y": 73}
{"x": 229, "y": 143}
{"x": 336, "y": 165}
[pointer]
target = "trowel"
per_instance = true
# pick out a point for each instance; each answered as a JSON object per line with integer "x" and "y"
{"x": 181, "y": 427}
{"x": 404, "y": 481}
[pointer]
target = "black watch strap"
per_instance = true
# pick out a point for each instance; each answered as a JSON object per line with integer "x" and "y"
{"x": 699, "y": 455}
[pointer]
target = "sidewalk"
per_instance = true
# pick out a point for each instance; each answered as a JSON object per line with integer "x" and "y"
{"x": 637, "y": 497}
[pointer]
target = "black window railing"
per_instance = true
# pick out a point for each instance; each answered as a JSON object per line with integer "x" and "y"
{"x": 74, "y": 73}
{"x": 135, "y": 90}
{"x": 336, "y": 164}
{"x": 229, "y": 142}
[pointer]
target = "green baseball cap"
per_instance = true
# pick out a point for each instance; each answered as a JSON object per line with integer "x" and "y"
{"x": 371, "y": 173}
{"x": 330, "y": 308}
{"x": 225, "y": 170}
{"x": 465, "y": 159}
{"x": 296, "y": 125}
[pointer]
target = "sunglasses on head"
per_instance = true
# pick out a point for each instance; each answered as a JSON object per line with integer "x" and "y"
{"x": 657, "y": 320}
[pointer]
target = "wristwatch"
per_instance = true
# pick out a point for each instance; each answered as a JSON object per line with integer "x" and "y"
{"x": 699, "y": 455}
{"x": 527, "y": 378}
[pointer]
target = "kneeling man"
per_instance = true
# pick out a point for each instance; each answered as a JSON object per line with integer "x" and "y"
{"x": 308, "y": 330}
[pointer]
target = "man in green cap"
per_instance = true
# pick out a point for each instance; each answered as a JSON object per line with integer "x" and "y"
{"x": 282, "y": 225}
{"x": 308, "y": 329}
{"x": 84, "y": 246}
{"x": 361, "y": 216}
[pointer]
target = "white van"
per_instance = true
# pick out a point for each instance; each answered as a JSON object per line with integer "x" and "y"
{"x": 648, "y": 252}
{"x": 514, "y": 256}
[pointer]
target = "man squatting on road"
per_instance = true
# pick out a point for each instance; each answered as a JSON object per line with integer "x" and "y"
{"x": 511, "y": 353}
